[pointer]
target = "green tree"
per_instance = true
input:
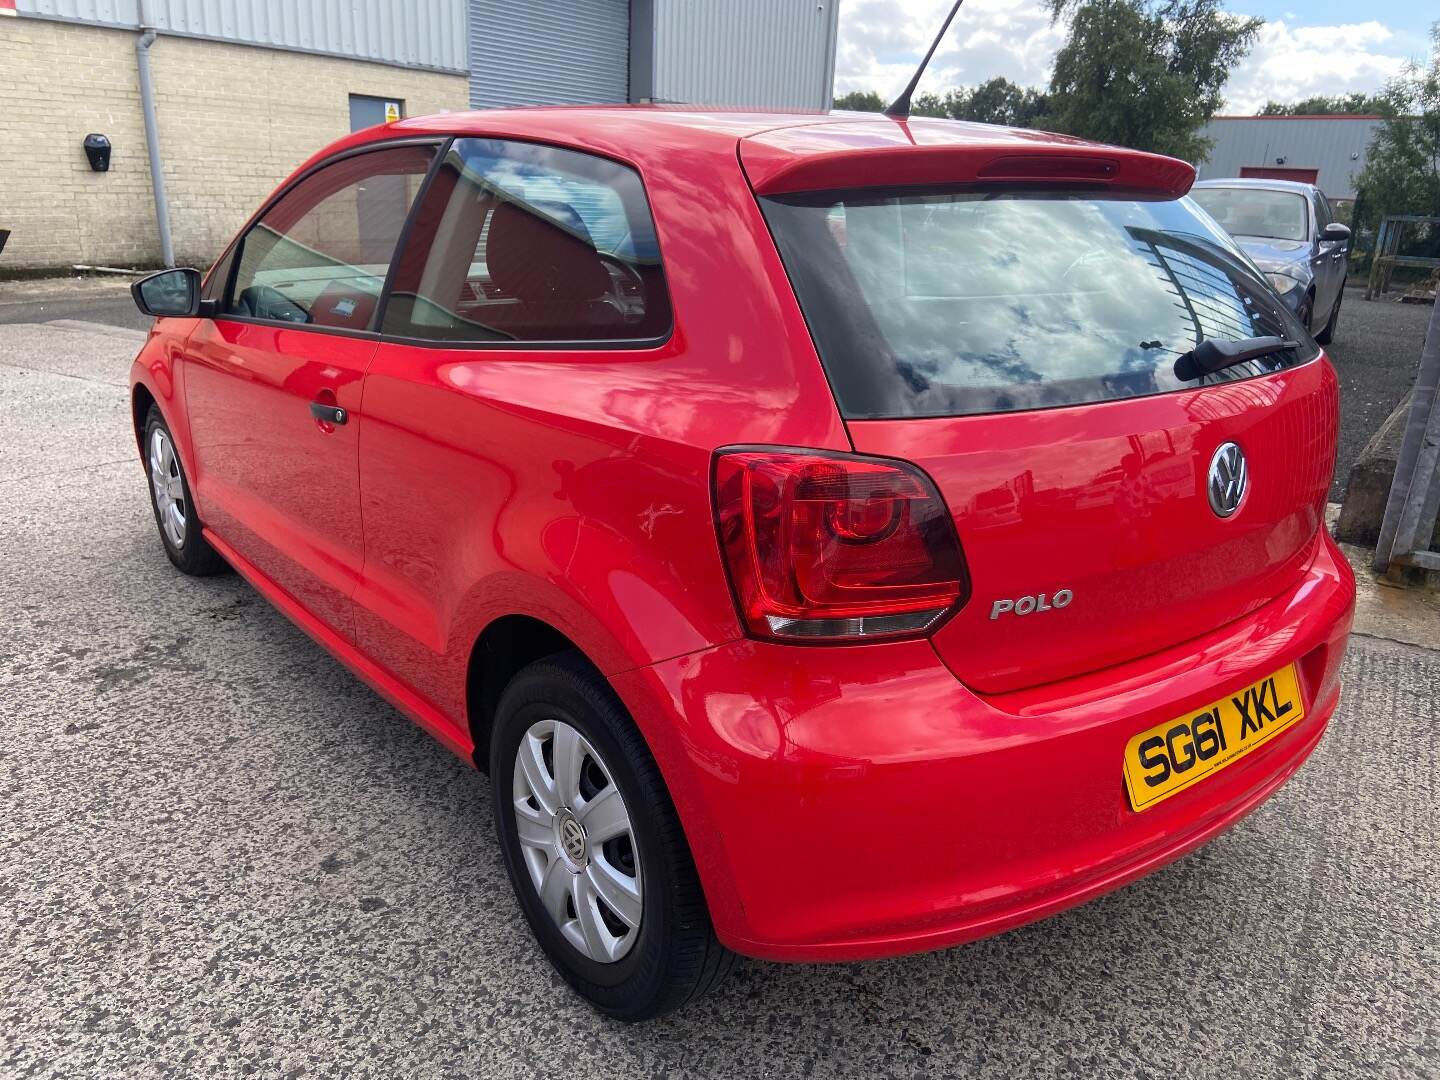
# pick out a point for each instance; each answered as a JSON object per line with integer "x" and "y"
{"x": 861, "y": 101}
{"x": 1145, "y": 73}
{"x": 928, "y": 104}
{"x": 1402, "y": 168}
{"x": 1327, "y": 105}
{"x": 999, "y": 101}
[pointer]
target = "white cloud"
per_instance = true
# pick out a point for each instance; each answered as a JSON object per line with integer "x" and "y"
{"x": 1288, "y": 64}
{"x": 881, "y": 41}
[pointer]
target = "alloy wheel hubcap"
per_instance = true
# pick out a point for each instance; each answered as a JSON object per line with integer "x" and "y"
{"x": 577, "y": 841}
{"x": 169, "y": 489}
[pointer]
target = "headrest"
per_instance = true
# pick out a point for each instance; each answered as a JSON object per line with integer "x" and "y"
{"x": 533, "y": 257}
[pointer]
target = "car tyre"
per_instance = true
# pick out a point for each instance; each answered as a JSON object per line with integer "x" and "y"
{"x": 562, "y": 708}
{"x": 1327, "y": 333}
{"x": 175, "y": 516}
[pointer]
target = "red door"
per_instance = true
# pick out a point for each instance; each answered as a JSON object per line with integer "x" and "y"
{"x": 1262, "y": 172}
{"x": 273, "y": 384}
{"x": 277, "y": 483}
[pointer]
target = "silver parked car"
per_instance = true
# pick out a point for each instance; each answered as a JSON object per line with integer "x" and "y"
{"x": 1289, "y": 232}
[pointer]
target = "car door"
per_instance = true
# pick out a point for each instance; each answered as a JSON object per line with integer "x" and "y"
{"x": 1323, "y": 260}
{"x": 1335, "y": 254}
{"x": 273, "y": 381}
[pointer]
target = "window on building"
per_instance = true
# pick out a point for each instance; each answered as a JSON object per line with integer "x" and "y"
{"x": 320, "y": 255}
{"x": 368, "y": 111}
{"x": 522, "y": 242}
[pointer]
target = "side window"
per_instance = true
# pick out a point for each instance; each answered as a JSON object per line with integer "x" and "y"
{"x": 320, "y": 255}
{"x": 1322, "y": 212}
{"x": 523, "y": 242}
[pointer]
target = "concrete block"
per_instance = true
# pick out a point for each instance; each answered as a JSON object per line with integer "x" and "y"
{"x": 1368, "y": 487}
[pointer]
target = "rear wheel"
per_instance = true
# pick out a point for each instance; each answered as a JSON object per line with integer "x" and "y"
{"x": 593, "y": 846}
{"x": 1328, "y": 331}
{"x": 174, "y": 509}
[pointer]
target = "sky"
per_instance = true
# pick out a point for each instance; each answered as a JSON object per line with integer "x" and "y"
{"x": 1306, "y": 47}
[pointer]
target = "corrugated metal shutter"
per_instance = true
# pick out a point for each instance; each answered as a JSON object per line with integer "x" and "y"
{"x": 549, "y": 52}
{"x": 406, "y": 33}
{"x": 758, "y": 53}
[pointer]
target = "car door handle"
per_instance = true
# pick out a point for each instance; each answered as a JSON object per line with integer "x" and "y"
{"x": 328, "y": 414}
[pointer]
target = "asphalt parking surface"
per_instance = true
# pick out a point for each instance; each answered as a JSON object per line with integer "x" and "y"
{"x": 94, "y": 299}
{"x": 222, "y": 854}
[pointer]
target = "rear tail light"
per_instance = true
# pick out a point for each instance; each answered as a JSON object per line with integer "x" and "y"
{"x": 835, "y": 547}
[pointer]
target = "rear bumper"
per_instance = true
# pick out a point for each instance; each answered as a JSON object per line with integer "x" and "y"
{"x": 846, "y": 803}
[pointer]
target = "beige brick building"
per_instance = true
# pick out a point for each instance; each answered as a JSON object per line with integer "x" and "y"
{"x": 233, "y": 120}
{"x": 244, "y": 90}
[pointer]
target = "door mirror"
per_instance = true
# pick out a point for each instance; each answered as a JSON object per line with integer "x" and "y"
{"x": 169, "y": 292}
{"x": 1335, "y": 233}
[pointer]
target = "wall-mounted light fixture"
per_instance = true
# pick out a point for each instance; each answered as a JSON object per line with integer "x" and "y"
{"x": 97, "y": 149}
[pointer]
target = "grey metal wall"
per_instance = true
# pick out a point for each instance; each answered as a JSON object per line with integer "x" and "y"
{"x": 549, "y": 52}
{"x": 1336, "y": 145}
{"x": 408, "y": 33}
{"x": 759, "y": 53}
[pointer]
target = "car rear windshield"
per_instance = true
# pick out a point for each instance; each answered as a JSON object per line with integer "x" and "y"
{"x": 1274, "y": 215}
{"x": 951, "y": 303}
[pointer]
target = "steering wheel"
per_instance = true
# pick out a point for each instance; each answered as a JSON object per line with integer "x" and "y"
{"x": 266, "y": 302}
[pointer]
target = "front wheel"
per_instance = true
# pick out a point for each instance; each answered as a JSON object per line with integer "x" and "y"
{"x": 593, "y": 846}
{"x": 174, "y": 508}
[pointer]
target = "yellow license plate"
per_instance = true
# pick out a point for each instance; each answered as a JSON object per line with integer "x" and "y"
{"x": 1171, "y": 757}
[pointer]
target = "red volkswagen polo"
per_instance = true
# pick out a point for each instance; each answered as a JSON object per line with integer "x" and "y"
{"x": 836, "y": 536}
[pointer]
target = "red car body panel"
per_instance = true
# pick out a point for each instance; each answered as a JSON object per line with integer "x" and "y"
{"x": 1108, "y": 501}
{"x": 296, "y": 514}
{"x": 573, "y": 487}
{"x": 820, "y": 796}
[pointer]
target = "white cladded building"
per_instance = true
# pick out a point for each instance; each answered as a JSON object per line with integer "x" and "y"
{"x": 1328, "y": 151}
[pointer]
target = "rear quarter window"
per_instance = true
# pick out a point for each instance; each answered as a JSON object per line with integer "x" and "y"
{"x": 520, "y": 242}
{"x": 950, "y": 303}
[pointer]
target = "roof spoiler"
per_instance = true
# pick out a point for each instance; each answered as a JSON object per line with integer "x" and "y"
{"x": 861, "y": 154}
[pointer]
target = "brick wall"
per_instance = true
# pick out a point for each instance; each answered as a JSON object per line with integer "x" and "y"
{"x": 234, "y": 121}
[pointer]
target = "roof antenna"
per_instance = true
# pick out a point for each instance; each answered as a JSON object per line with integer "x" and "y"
{"x": 900, "y": 107}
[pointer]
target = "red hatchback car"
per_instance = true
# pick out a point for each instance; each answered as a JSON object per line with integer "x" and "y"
{"x": 836, "y": 536}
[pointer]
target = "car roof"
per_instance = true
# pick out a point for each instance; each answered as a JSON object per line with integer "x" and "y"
{"x": 810, "y": 150}
{"x": 801, "y": 149}
{"x": 599, "y": 126}
{"x": 638, "y": 127}
{"x": 1260, "y": 183}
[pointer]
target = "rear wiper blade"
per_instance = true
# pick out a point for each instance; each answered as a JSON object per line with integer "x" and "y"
{"x": 1216, "y": 354}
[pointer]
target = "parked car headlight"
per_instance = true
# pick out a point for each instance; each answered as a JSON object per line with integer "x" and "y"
{"x": 1282, "y": 283}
